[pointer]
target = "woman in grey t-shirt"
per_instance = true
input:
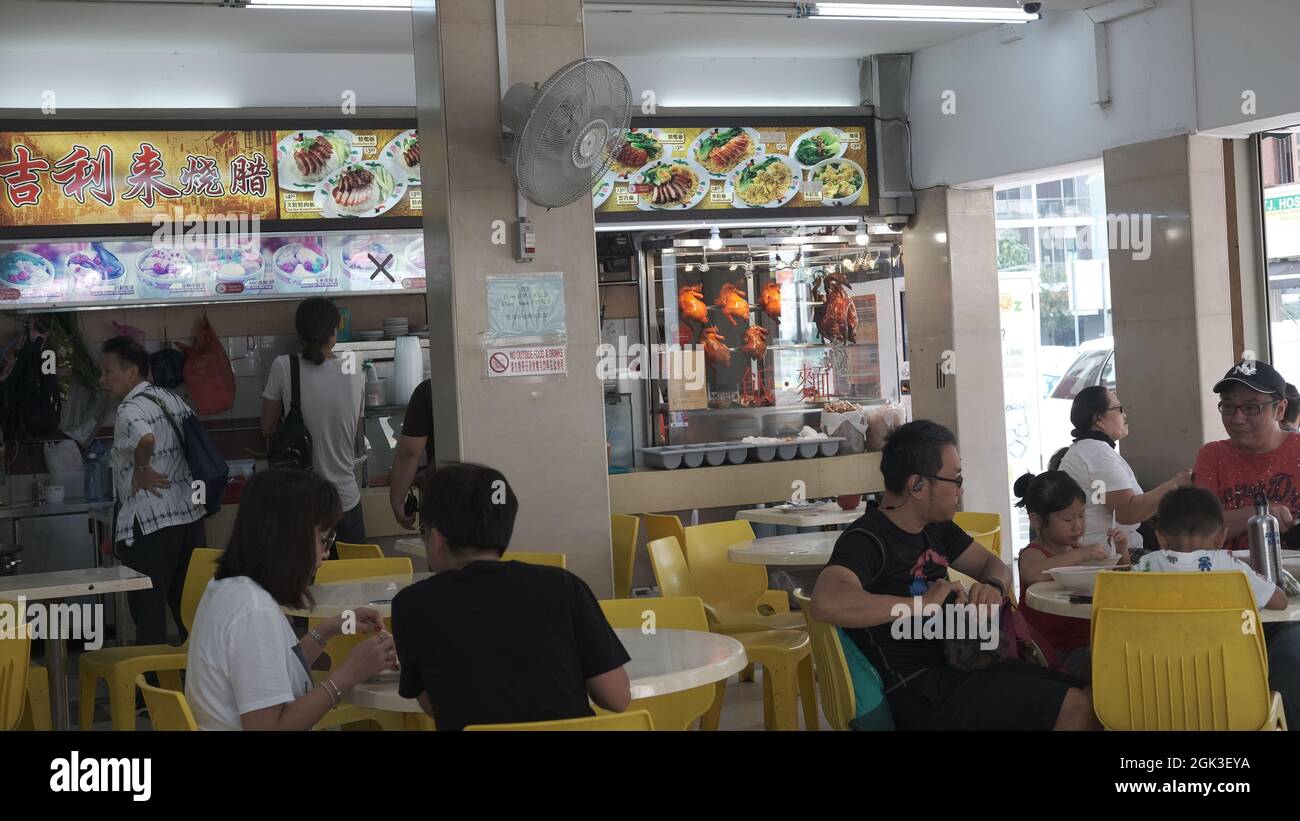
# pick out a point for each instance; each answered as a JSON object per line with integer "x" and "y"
{"x": 332, "y": 397}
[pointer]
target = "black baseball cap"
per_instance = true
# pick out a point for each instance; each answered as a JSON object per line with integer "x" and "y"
{"x": 1256, "y": 375}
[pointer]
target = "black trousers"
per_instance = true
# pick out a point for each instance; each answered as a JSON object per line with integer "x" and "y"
{"x": 163, "y": 556}
{"x": 351, "y": 529}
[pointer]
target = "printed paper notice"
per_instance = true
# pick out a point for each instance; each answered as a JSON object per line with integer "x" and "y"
{"x": 533, "y": 361}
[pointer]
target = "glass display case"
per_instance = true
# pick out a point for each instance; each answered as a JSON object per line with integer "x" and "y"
{"x": 778, "y": 325}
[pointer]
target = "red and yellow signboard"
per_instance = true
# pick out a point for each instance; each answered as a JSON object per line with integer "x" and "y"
{"x": 88, "y": 178}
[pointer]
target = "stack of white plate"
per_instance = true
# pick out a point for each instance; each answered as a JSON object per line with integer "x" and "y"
{"x": 395, "y": 326}
{"x": 368, "y": 336}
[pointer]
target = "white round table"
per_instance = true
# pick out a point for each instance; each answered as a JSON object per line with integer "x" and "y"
{"x": 334, "y": 598}
{"x": 827, "y": 515}
{"x": 797, "y": 550}
{"x": 668, "y": 661}
{"x": 1050, "y": 597}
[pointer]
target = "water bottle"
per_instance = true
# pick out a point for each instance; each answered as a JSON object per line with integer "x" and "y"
{"x": 1265, "y": 542}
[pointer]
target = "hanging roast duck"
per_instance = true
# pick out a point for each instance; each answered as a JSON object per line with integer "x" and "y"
{"x": 837, "y": 316}
{"x": 755, "y": 342}
{"x": 733, "y": 303}
{"x": 771, "y": 300}
{"x": 716, "y": 352}
{"x": 690, "y": 301}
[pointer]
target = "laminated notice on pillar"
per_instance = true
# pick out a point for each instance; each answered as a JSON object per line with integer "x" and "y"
{"x": 541, "y": 360}
{"x": 525, "y": 308}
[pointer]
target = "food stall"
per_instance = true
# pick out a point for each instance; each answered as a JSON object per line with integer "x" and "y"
{"x": 768, "y": 296}
{"x": 154, "y": 226}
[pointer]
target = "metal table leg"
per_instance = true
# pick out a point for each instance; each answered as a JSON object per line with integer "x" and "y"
{"x": 57, "y": 657}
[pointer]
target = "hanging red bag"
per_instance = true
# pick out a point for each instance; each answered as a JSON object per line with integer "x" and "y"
{"x": 208, "y": 375}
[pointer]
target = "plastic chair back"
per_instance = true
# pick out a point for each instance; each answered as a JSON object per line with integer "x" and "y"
{"x": 168, "y": 710}
{"x": 833, "y": 677}
{"x": 623, "y": 532}
{"x": 630, "y": 720}
{"x": 674, "y": 711}
{"x": 669, "y": 565}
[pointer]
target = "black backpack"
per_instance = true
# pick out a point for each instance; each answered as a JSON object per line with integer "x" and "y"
{"x": 206, "y": 463}
{"x": 291, "y": 444}
{"x": 31, "y": 400}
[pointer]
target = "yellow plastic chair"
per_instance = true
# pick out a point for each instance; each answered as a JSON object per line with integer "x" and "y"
{"x": 168, "y": 710}
{"x": 735, "y": 595}
{"x": 1220, "y": 590}
{"x": 663, "y": 525}
{"x": 839, "y": 704}
{"x": 1181, "y": 670}
{"x": 784, "y": 655}
{"x": 638, "y": 720}
{"x": 674, "y": 711}
{"x": 337, "y": 648}
{"x": 534, "y": 557}
{"x": 985, "y": 528}
{"x": 346, "y": 570}
{"x": 623, "y": 532}
{"x": 359, "y": 551}
{"x": 119, "y": 666}
{"x": 15, "y": 658}
{"x": 36, "y": 710}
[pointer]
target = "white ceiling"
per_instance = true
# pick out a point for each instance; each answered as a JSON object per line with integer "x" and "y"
{"x": 189, "y": 26}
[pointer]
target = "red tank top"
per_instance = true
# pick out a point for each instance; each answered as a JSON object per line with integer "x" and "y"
{"x": 1062, "y": 632}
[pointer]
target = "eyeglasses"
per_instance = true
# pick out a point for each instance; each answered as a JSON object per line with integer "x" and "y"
{"x": 330, "y": 540}
{"x": 958, "y": 481}
{"x": 1119, "y": 408}
{"x": 1249, "y": 408}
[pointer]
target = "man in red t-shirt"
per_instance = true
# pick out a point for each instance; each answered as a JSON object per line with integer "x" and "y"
{"x": 1257, "y": 457}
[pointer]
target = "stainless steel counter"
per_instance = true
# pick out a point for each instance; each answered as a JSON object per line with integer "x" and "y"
{"x": 26, "y": 510}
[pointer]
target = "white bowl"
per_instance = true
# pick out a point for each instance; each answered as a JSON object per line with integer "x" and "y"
{"x": 54, "y": 494}
{"x": 1077, "y": 579}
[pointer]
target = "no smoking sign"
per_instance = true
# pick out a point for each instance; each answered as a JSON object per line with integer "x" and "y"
{"x": 532, "y": 361}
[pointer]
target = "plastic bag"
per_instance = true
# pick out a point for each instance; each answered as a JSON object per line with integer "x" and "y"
{"x": 208, "y": 375}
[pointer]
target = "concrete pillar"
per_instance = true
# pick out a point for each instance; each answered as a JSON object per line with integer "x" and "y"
{"x": 1171, "y": 299}
{"x": 954, "y": 330}
{"x": 545, "y": 433}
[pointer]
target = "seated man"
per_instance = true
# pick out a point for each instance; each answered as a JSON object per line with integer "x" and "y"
{"x": 1191, "y": 534}
{"x": 902, "y": 550}
{"x": 1258, "y": 457}
{"x": 488, "y": 641}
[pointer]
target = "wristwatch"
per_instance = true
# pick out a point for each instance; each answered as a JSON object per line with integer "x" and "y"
{"x": 996, "y": 583}
{"x": 315, "y": 634}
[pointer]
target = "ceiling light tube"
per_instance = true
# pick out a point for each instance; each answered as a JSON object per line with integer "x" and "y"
{"x": 332, "y": 5}
{"x": 926, "y": 14}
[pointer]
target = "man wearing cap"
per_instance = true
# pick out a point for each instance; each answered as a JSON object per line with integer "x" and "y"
{"x": 1257, "y": 457}
{"x": 1291, "y": 421}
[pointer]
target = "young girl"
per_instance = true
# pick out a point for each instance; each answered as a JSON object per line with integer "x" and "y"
{"x": 1056, "y": 506}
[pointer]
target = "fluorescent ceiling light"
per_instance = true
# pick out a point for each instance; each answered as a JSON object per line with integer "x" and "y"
{"x": 929, "y": 14}
{"x": 610, "y": 227}
{"x": 333, "y": 5}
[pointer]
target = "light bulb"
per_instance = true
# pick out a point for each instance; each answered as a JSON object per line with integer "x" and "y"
{"x": 861, "y": 237}
{"x": 715, "y": 239}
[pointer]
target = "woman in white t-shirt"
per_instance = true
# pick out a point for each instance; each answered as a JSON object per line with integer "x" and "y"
{"x": 1094, "y": 462}
{"x": 246, "y": 669}
{"x": 332, "y": 394}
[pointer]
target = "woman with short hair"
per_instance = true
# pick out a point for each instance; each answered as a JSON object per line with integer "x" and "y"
{"x": 246, "y": 669}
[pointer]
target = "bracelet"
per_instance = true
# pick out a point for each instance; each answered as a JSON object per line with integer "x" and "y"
{"x": 338, "y": 694}
{"x": 996, "y": 583}
{"x": 328, "y": 694}
{"x": 315, "y": 634}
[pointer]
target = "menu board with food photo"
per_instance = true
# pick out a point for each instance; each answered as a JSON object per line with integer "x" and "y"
{"x": 107, "y": 177}
{"x": 340, "y": 173}
{"x": 113, "y": 271}
{"x": 733, "y": 168}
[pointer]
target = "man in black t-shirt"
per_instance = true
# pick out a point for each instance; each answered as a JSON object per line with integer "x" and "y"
{"x": 416, "y": 439}
{"x": 902, "y": 550}
{"x": 491, "y": 641}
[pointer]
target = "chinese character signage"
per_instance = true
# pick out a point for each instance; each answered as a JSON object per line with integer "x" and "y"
{"x": 736, "y": 170}
{"x": 83, "y": 178}
{"x": 68, "y": 178}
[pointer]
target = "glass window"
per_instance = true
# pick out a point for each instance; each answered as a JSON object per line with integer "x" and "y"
{"x": 1282, "y": 248}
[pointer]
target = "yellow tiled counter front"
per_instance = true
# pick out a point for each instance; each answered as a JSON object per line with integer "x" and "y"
{"x": 650, "y": 490}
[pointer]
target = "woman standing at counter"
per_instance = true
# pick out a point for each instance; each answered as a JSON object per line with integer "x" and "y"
{"x": 1093, "y": 461}
{"x": 332, "y": 394}
{"x": 157, "y": 525}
